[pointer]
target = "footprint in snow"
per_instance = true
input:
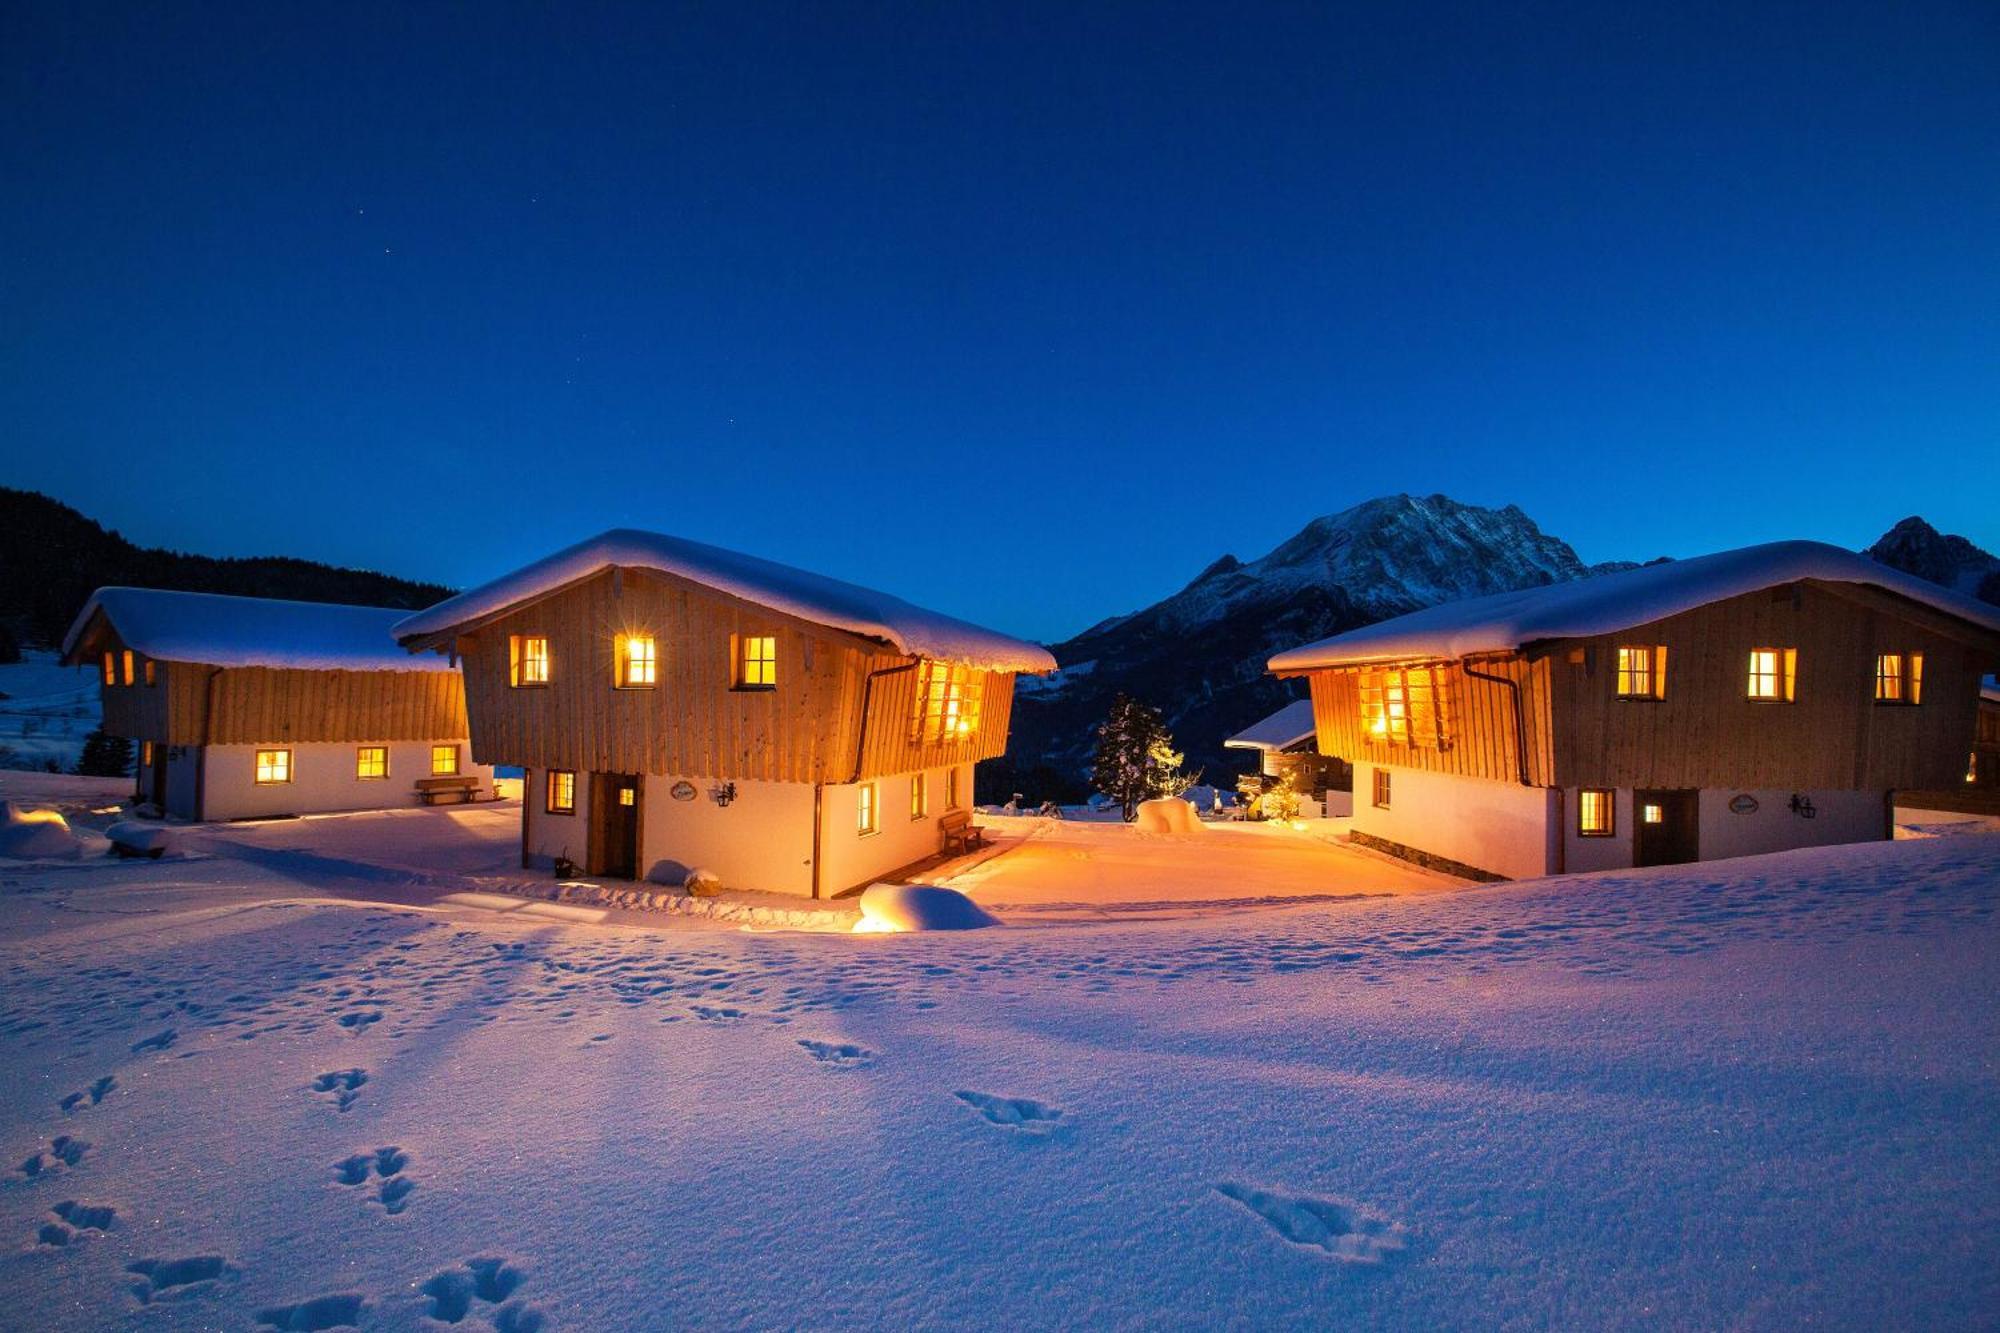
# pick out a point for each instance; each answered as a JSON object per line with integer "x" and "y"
{"x": 456, "y": 1292}
{"x": 340, "y": 1086}
{"x": 385, "y": 1165}
{"x": 63, "y": 1152}
{"x": 839, "y": 1054}
{"x": 1344, "y": 1231}
{"x": 159, "y": 1041}
{"x": 73, "y": 1219}
{"x": 197, "y": 1275}
{"x": 1018, "y": 1113}
{"x": 343, "y": 1310}
{"x": 91, "y": 1095}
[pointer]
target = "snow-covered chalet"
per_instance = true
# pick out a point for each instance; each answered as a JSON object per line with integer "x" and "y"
{"x": 246, "y": 707}
{"x": 680, "y": 707}
{"x": 1749, "y": 701}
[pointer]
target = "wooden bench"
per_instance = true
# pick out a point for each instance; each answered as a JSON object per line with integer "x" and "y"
{"x": 958, "y": 831}
{"x": 460, "y": 789}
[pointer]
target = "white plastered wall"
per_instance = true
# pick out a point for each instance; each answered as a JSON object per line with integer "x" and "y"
{"x": 323, "y": 779}
{"x": 1500, "y": 827}
{"x": 762, "y": 840}
{"x": 1838, "y": 816}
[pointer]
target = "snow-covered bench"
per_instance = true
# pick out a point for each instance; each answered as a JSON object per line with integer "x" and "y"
{"x": 958, "y": 831}
{"x": 461, "y": 789}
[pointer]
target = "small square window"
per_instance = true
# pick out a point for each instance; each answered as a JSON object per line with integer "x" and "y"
{"x": 1381, "y": 789}
{"x": 1899, "y": 678}
{"x": 757, "y": 662}
{"x": 1594, "y": 812}
{"x": 1773, "y": 674}
{"x": 527, "y": 660}
{"x": 628, "y": 796}
{"x": 1642, "y": 671}
{"x": 638, "y": 662}
{"x": 444, "y": 761}
{"x": 371, "y": 762}
{"x": 561, "y": 792}
{"x": 273, "y": 767}
{"x": 866, "y": 816}
{"x": 1652, "y": 814}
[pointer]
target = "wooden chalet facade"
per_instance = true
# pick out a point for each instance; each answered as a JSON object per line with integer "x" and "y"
{"x": 677, "y": 708}
{"x": 240, "y": 707}
{"x": 1746, "y": 702}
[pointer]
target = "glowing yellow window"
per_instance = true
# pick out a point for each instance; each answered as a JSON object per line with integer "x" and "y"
{"x": 628, "y": 796}
{"x": 562, "y": 792}
{"x": 1593, "y": 813}
{"x": 145, "y": 754}
{"x": 152, "y": 672}
{"x": 866, "y": 816}
{"x": 638, "y": 662}
{"x": 130, "y": 674}
{"x": 1652, "y": 814}
{"x": 1773, "y": 674}
{"x": 951, "y": 789}
{"x": 110, "y": 669}
{"x": 273, "y": 767}
{"x": 948, "y": 702}
{"x": 527, "y": 659}
{"x": 371, "y": 761}
{"x": 444, "y": 761}
{"x": 920, "y": 797}
{"x": 1642, "y": 671}
{"x": 1899, "y": 678}
{"x": 1381, "y": 789}
{"x": 757, "y": 662}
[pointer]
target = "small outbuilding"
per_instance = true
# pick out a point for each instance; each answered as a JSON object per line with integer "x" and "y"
{"x": 1287, "y": 747}
{"x": 248, "y": 707}
{"x": 1755, "y": 700}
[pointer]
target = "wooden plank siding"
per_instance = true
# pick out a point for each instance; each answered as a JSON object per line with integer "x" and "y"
{"x": 259, "y": 704}
{"x": 694, "y": 721}
{"x": 1707, "y": 732}
{"x": 1479, "y": 721}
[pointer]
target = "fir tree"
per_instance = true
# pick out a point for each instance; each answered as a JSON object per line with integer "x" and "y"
{"x": 105, "y": 756}
{"x": 1136, "y": 759}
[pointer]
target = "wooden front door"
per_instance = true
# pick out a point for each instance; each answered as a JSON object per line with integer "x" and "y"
{"x": 614, "y": 825}
{"x": 1668, "y": 827}
{"x": 156, "y": 774}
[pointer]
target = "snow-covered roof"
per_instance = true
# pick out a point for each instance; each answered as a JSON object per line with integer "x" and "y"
{"x": 795, "y": 592}
{"x": 1283, "y": 729}
{"x": 251, "y": 631}
{"x": 1606, "y": 603}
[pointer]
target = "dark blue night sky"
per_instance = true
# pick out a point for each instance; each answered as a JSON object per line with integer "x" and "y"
{"x": 1024, "y": 313}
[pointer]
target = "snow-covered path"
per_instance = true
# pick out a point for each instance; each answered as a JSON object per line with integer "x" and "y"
{"x": 1757, "y": 1093}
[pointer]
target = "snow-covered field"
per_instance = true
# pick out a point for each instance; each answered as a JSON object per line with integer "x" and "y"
{"x": 284, "y": 1081}
{"x": 47, "y": 711}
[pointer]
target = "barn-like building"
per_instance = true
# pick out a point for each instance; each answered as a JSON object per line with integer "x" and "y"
{"x": 680, "y": 707}
{"x": 1749, "y": 701}
{"x": 249, "y": 707}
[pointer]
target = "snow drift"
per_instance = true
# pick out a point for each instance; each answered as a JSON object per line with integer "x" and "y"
{"x": 1168, "y": 814}
{"x": 36, "y": 835}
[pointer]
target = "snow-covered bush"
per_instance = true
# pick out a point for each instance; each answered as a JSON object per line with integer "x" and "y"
{"x": 702, "y": 883}
{"x": 898, "y": 907}
{"x": 129, "y": 837}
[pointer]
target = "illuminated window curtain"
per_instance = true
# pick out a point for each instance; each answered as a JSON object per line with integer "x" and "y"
{"x": 949, "y": 698}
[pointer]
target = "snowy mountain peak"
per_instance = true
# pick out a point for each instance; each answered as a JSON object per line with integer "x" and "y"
{"x": 1915, "y": 547}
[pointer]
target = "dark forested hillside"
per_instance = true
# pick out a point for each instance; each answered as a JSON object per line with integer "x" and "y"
{"x": 52, "y": 557}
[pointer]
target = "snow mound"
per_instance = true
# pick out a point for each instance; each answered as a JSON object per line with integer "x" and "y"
{"x": 36, "y": 835}
{"x": 702, "y": 883}
{"x": 899, "y": 907}
{"x": 1168, "y": 814}
{"x": 129, "y": 837}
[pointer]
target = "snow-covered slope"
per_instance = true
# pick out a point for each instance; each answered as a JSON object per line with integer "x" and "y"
{"x": 46, "y": 709}
{"x": 293, "y": 1085}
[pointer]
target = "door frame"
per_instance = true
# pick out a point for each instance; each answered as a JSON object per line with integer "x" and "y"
{"x": 604, "y": 788}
